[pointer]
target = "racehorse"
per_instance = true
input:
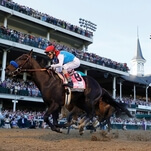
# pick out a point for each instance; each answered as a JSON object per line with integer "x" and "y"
{"x": 107, "y": 106}
{"x": 104, "y": 112}
{"x": 52, "y": 90}
{"x": 104, "y": 109}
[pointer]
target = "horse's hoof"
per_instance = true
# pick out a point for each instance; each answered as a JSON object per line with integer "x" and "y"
{"x": 61, "y": 130}
{"x": 57, "y": 130}
{"x": 81, "y": 131}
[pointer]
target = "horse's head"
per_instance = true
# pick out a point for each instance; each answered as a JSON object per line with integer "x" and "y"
{"x": 22, "y": 62}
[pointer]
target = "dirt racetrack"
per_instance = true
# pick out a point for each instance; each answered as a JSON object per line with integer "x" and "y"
{"x": 47, "y": 140}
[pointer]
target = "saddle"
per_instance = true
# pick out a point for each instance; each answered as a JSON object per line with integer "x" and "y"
{"x": 78, "y": 84}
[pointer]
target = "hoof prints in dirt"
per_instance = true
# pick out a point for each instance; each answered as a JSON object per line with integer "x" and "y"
{"x": 139, "y": 136}
{"x": 128, "y": 135}
{"x": 104, "y": 136}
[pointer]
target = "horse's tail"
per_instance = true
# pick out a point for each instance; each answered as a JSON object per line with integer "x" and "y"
{"x": 106, "y": 97}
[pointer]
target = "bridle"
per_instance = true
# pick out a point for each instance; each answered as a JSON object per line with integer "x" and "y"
{"x": 19, "y": 67}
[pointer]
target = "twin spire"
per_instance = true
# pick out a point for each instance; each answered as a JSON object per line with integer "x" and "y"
{"x": 138, "y": 60}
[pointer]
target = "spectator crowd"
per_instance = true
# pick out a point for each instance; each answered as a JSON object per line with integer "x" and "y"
{"x": 34, "y": 119}
{"x": 42, "y": 43}
{"x": 18, "y": 85}
{"x": 45, "y": 17}
{"x": 22, "y": 119}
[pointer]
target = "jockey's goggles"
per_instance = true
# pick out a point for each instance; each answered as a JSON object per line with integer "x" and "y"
{"x": 49, "y": 54}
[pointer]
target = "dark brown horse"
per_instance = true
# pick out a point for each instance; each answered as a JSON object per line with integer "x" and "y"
{"x": 53, "y": 91}
{"x": 104, "y": 109}
{"x": 107, "y": 106}
{"x": 104, "y": 112}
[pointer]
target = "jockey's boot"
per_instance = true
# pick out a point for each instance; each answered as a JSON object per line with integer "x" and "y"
{"x": 69, "y": 80}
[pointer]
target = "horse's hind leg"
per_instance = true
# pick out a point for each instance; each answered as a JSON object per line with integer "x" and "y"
{"x": 86, "y": 117}
{"x": 95, "y": 124}
{"x": 83, "y": 124}
{"x": 109, "y": 124}
{"x": 69, "y": 119}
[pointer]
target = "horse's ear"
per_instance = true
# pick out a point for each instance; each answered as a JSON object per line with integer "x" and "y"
{"x": 31, "y": 51}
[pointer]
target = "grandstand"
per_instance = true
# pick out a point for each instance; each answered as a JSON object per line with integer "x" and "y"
{"x": 23, "y": 29}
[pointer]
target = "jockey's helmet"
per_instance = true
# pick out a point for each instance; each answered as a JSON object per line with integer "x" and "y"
{"x": 50, "y": 48}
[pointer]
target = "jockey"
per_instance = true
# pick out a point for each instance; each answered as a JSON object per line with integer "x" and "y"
{"x": 66, "y": 62}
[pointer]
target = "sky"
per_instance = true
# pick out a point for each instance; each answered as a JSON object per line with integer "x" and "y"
{"x": 119, "y": 24}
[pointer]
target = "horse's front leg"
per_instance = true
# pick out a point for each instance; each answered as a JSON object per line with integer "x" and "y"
{"x": 55, "y": 117}
{"x": 46, "y": 118}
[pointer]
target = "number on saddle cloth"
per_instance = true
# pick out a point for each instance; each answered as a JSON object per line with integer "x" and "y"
{"x": 77, "y": 79}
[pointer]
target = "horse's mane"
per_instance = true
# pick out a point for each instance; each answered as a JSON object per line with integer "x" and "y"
{"x": 34, "y": 59}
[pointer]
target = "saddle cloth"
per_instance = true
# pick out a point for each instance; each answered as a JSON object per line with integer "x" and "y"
{"x": 77, "y": 79}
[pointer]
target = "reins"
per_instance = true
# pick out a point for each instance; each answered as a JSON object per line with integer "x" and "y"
{"x": 32, "y": 70}
{"x": 20, "y": 68}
